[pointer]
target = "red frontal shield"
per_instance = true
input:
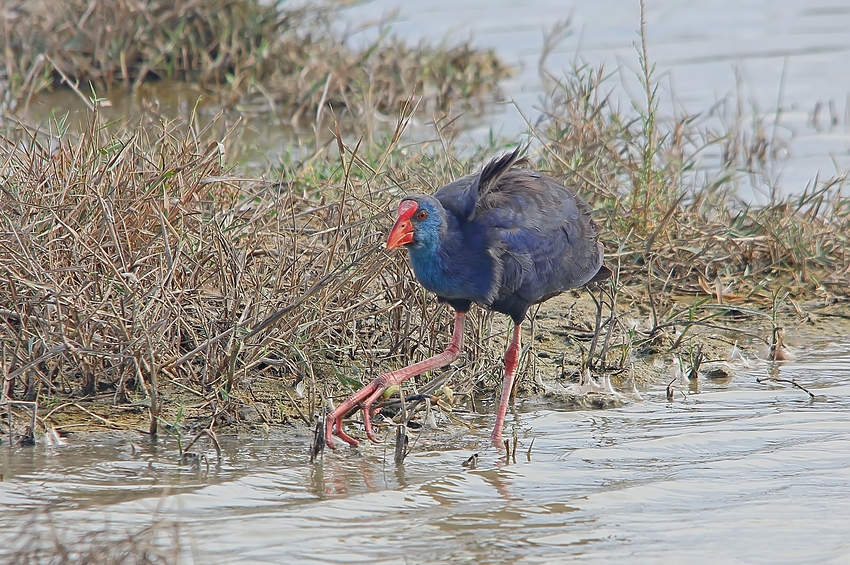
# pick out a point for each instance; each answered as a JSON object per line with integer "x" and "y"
{"x": 402, "y": 232}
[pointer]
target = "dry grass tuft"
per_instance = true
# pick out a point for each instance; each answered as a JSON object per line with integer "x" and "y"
{"x": 688, "y": 231}
{"x": 134, "y": 263}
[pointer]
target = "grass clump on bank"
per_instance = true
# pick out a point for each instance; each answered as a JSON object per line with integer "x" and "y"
{"x": 685, "y": 230}
{"x": 265, "y": 57}
{"x": 136, "y": 265}
{"x": 134, "y": 262}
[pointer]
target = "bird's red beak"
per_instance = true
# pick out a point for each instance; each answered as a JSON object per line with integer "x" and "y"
{"x": 402, "y": 232}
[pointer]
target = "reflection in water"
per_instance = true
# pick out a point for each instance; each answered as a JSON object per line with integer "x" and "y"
{"x": 739, "y": 472}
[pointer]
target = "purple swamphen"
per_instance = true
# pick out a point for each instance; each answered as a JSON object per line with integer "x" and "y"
{"x": 505, "y": 238}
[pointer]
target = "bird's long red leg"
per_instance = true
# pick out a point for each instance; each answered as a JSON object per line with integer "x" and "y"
{"x": 511, "y": 361}
{"x": 371, "y": 392}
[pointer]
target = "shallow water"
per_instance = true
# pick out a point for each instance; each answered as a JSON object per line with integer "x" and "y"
{"x": 740, "y": 472}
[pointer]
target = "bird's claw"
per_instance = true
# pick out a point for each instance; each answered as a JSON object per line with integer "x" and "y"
{"x": 369, "y": 394}
{"x": 364, "y": 398}
{"x": 333, "y": 427}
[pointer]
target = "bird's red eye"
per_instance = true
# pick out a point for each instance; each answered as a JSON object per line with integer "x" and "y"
{"x": 421, "y": 215}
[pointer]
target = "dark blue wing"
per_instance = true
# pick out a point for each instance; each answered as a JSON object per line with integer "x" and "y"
{"x": 514, "y": 238}
{"x": 543, "y": 234}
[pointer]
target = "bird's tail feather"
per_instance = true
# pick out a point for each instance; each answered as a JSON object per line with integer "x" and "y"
{"x": 488, "y": 178}
{"x": 602, "y": 274}
{"x": 496, "y": 168}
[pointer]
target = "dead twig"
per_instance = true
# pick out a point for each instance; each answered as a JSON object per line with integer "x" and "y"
{"x": 812, "y": 396}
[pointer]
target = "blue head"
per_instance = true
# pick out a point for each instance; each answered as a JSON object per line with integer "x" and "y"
{"x": 420, "y": 224}
{"x": 443, "y": 259}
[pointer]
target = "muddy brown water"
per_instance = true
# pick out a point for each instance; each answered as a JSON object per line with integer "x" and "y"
{"x": 739, "y": 472}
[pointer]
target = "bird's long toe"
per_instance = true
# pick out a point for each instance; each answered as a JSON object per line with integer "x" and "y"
{"x": 340, "y": 432}
{"x": 329, "y": 432}
{"x": 367, "y": 423}
{"x": 333, "y": 427}
{"x": 367, "y": 413}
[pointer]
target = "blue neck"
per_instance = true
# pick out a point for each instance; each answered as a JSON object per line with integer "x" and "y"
{"x": 454, "y": 267}
{"x": 429, "y": 266}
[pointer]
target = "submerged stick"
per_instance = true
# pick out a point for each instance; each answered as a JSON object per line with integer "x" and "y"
{"x": 318, "y": 438}
{"x": 814, "y": 397}
{"x": 401, "y": 442}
